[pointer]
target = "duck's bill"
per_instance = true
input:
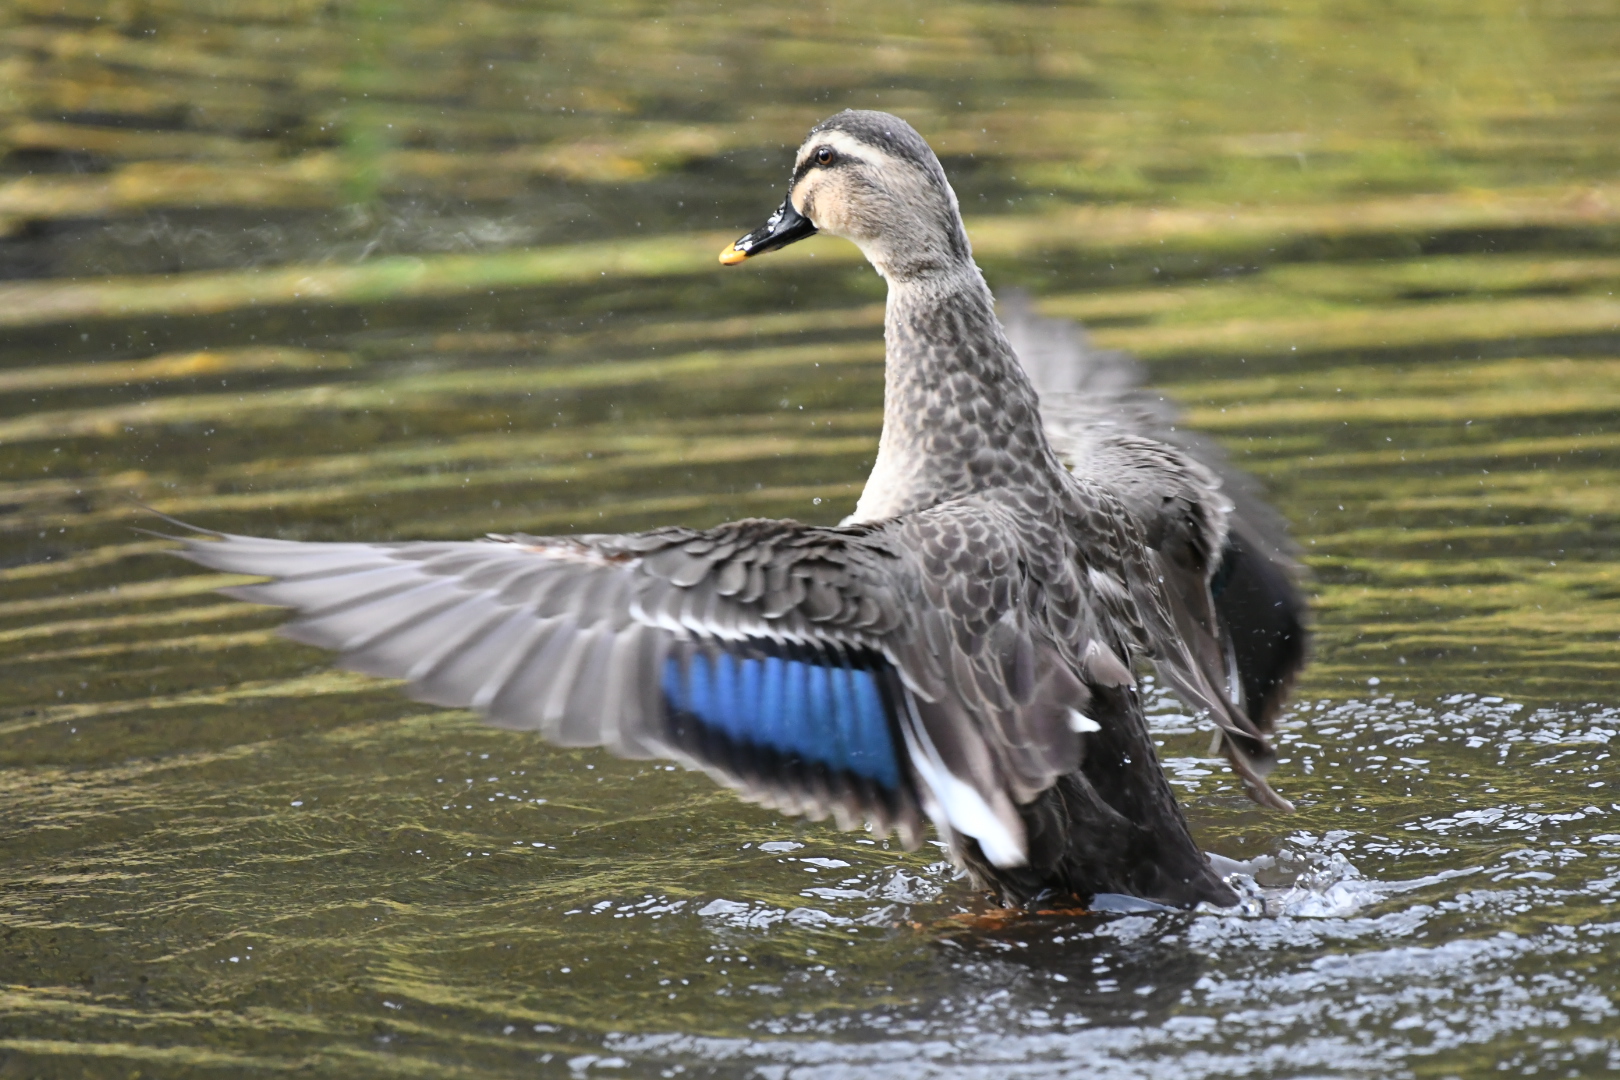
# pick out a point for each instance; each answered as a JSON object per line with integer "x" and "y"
{"x": 785, "y": 226}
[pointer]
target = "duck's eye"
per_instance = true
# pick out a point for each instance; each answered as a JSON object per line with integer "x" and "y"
{"x": 825, "y": 156}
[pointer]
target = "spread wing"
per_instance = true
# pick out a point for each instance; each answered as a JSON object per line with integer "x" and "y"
{"x": 1231, "y": 598}
{"x": 818, "y": 671}
{"x": 1233, "y": 588}
{"x": 1146, "y": 602}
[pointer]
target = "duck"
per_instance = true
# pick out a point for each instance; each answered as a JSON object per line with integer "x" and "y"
{"x": 961, "y": 652}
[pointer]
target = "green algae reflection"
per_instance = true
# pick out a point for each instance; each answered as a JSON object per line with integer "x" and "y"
{"x": 330, "y": 270}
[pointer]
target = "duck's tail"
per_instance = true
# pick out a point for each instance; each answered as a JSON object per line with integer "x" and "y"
{"x": 1112, "y": 826}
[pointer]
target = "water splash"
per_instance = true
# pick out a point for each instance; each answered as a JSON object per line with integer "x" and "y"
{"x": 1327, "y": 886}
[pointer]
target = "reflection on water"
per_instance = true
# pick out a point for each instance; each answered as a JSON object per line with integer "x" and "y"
{"x": 411, "y": 270}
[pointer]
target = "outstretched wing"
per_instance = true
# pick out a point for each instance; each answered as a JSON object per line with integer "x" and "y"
{"x": 1079, "y": 382}
{"x": 1230, "y": 581}
{"x": 811, "y": 669}
{"x": 1234, "y": 588}
{"x": 1139, "y": 588}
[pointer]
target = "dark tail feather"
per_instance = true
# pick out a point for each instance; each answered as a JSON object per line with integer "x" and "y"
{"x": 1113, "y": 826}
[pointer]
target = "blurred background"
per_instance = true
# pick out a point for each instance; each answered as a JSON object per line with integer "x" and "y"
{"x": 356, "y": 268}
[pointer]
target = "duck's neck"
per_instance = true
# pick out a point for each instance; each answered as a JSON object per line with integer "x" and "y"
{"x": 959, "y": 414}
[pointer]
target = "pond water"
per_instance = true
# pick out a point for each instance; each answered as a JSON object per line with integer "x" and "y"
{"x": 408, "y": 270}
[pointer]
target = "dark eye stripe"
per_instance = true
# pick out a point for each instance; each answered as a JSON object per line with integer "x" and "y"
{"x": 839, "y": 159}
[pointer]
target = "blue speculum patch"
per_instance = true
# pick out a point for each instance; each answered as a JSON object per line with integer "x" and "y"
{"x": 818, "y": 712}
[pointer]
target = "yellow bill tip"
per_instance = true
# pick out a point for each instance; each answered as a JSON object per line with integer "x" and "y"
{"x": 732, "y": 256}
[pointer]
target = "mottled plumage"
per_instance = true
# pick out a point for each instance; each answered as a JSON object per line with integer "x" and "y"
{"x": 1231, "y": 569}
{"x": 958, "y": 652}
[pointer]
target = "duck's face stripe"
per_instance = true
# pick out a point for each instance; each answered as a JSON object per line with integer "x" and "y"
{"x": 872, "y": 188}
{"x": 846, "y": 151}
{"x": 828, "y": 193}
{"x": 796, "y": 705}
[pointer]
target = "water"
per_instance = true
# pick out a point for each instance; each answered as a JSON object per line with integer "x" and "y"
{"x": 413, "y": 271}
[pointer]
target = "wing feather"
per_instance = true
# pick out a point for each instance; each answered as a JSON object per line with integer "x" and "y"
{"x": 814, "y": 670}
{"x": 514, "y": 695}
{"x": 330, "y": 590}
{"x": 1233, "y": 655}
{"x": 458, "y": 678}
{"x": 399, "y": 649}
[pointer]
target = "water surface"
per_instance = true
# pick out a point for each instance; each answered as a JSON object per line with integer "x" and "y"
{"x": 408, "y": 270}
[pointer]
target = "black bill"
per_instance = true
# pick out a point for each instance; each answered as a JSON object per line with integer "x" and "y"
{"x": 785, "y": 226}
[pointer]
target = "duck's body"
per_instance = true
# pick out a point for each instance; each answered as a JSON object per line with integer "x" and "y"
{"x": 958, "y": 651}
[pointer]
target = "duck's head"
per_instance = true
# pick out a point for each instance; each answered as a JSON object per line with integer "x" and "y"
{"x": 868, "y": 177}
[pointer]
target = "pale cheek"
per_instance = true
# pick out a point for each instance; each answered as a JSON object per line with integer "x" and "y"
{"x": 826, "y": 205}
{"x": 832, "y": 216}
{"x": 870, "y": 220}
{"x": 810, "y": 199}
{"x": 841, "y": 207}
